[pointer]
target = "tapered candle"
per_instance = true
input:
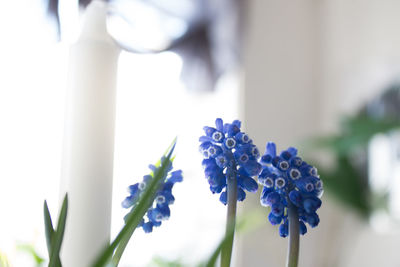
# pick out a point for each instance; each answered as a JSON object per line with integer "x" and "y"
{"x": 87, "y": 168}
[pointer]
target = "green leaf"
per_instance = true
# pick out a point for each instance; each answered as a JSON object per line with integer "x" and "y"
{"x": 136, "y": 214}
{"x": 58, "y": 235}
{"x": 48, "y": 227}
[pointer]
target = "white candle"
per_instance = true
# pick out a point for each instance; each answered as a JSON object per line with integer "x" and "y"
{"x": 87, "y": 166}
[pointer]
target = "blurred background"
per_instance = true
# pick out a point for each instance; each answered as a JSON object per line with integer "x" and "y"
{"x": 321, "y": 75}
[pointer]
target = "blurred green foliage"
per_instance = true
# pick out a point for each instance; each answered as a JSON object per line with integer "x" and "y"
{"x": 31, "y": 250}
{"x": 160, "y": 262}
{"x": 4, "y": 260}
{"x": 348, "y": 179}
{"x": 345, "y": 183}
{"x": 356, "y": 132}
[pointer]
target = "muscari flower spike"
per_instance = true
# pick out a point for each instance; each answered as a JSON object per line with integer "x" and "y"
{"x": 228, "y": 153}
{"x": 288, "y": 178}
{"x": 159, "y": 211}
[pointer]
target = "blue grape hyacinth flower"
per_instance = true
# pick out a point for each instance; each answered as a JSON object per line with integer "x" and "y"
{"x": 159, "y": 210}
{"x": 229, "y": 154}
{"x": 288, "y": 178}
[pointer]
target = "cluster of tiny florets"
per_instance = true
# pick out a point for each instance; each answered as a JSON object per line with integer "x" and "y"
{"x": 160, "y": 210}
{"x": 288, "y": 178}
{"x": 229, "y": 154}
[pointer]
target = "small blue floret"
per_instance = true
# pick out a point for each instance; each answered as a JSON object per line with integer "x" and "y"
{"x": 159, "y": 211}
{"x": 288, "y": 178}
{"x": 229, "y": 153}
{"x": 284, "y": 229}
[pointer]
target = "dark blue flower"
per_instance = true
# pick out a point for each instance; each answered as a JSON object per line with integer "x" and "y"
{"x": 288, "y": 178}
{"x": 228, "y": 152}
{"x": 159, "y": 211}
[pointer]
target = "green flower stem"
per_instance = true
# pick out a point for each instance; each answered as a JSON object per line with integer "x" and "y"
{"x": 294, "y": 236}
{"x": 226, "y": 253}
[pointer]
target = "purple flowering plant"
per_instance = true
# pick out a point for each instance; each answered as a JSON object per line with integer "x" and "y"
{"x": 291, "y": 187}
{"x": 230, "y": 161}
{"x": 148, "y": 202}
{"x": 233, "y": 166}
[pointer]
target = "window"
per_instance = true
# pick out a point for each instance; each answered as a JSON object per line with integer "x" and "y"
{"x": 152, "y": 108}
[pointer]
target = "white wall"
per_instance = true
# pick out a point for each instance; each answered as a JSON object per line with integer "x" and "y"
{"x": 280, "y": 62}
{"x": 307, "y": 62}
{"x": 360, "y": 53}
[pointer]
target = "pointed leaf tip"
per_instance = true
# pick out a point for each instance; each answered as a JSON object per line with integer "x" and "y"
{"x": 48, "y": 227}
{"x": 58, "y": 235}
